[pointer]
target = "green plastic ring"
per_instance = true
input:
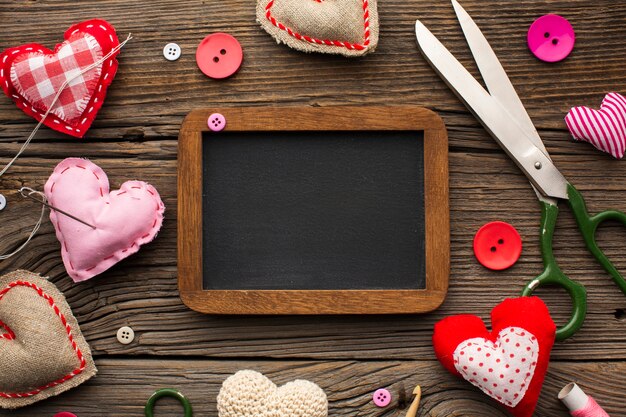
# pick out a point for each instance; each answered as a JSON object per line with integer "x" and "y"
{"x": 168, "y": 392}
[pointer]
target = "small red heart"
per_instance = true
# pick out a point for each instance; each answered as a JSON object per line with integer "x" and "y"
{"x": 509, "y": 363}
{"x": 32, "y": 75}
{"x": 605, "y": 128}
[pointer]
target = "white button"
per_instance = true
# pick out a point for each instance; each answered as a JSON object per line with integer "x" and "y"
{"x": 171, "y": 52}
{"x": 125, "y": 335}
{"x": 3, "y": 202}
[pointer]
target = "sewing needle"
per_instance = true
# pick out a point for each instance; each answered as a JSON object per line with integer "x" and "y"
{"x": 51, "y": 207}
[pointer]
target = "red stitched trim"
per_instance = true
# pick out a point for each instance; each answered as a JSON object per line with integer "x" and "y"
{"x": 9, "y": 335}
{"x": 345, "y": 44}
{"x": 79, "y": 354}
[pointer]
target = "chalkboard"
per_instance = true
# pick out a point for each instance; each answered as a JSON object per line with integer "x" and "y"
{"x": 313, "y": 211}
{"x": 300, "y": 210}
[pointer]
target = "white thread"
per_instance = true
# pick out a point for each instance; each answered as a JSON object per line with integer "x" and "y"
{"x": 37, "y": 225}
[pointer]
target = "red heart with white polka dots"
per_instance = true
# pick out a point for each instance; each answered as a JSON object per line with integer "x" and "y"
{"x": 501, "y": 369}
{"x": 510, "y": 362}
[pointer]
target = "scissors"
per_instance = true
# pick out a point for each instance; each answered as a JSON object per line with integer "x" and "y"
{"x": 503, "y": 115}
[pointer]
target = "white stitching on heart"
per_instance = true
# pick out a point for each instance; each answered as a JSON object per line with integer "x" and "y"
{"x": 502, "y": 369}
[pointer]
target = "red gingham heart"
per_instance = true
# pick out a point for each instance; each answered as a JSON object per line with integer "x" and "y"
{"x": 605, "y": 128}
{"x": 32, "y": 76}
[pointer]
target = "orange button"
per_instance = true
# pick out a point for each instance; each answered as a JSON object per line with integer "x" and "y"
{"x": 497, "y": 245}
{"x": 219, "y": 55}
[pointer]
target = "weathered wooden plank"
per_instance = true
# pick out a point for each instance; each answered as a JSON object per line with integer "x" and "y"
{"x": 151, "y": 96}
{"x": 148, "y": 101}
{"x": 122, "y": 387}
{"x": 141, "y": 291}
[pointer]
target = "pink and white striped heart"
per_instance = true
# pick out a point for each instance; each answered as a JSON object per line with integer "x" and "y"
{"x": 605, "y": 128}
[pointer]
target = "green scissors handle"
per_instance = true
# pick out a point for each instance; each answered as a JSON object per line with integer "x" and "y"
{"x": 168, "y": 392}
{"x": 552, "y": 273}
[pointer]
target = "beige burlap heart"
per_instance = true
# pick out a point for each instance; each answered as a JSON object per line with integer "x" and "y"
{"x": 345, "y": 27}
{"x": 251, "y": 394}
{"x": 42, "y": 351}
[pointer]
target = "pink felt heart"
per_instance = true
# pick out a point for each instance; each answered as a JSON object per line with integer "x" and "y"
{"x": 605, "y": 128}
{"x": 124, "y": 219}
{"x": 32, "y": 76}
{"x": 505, "y": 367}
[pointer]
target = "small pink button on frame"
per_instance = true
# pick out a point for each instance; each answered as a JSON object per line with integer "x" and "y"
{"x": 551, "y": 38}
{"x": 382, "y": 397}
{"x": 216, "y": 122}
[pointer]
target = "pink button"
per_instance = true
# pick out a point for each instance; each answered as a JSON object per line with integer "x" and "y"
{"x": 64, "y": 414}
{"x": 216, "y": 122}
{"x": 382, "y": 397}
{"x": 551, "y": 38}
{"x": 219, "y": 55}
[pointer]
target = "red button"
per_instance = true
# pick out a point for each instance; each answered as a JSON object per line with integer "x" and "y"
{"x": 551, "y": 38}
{"x": 64, "y": 414}
{"x": 219, "y": 55}
{"x": 497, "y": 245}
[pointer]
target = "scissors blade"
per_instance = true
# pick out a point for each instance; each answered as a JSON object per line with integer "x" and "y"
{"x": 496, "y": 79}
{"x": 537, "y": 167}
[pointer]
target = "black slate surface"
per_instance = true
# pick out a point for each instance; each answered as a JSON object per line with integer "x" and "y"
{"x": 313, "y": 210}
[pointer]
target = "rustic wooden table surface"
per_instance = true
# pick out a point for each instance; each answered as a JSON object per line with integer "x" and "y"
{"x": 135, "y": 137}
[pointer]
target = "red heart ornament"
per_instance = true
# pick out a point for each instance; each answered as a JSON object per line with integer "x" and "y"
{"x": 32, "y": 75}
{"x": 509, "y": 363}
{"x": 605, "y": 128}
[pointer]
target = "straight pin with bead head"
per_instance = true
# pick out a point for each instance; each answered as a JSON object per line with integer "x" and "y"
{"x": 45, "y": 203}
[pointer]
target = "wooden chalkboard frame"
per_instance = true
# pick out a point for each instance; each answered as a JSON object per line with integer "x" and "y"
{"x": 269, "y": 119}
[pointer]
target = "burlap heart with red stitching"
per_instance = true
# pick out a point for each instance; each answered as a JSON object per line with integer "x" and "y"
{"x": 345, "y": 27}
{"x": 42, "y": 351}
